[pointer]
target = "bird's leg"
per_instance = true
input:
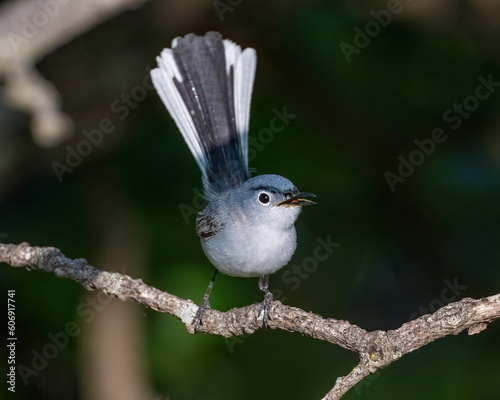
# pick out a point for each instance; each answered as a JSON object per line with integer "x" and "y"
{"x": 205, "y": 304}
{"x": 268, "y": 298}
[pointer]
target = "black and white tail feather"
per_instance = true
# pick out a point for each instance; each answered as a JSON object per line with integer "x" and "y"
{"x": 206, "y": 84}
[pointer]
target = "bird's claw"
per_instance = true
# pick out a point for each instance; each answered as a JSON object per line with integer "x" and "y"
{"x": 266, "y": 306}
{"x": 197, "y": 320}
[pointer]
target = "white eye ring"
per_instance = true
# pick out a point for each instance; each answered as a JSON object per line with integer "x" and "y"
{"x": 264, "y": 198}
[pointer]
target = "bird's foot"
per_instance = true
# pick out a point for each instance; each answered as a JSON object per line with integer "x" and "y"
{"x": 197, "y": 320}
{"x": 204, "y": 306}
{"x": 266, "y": 307}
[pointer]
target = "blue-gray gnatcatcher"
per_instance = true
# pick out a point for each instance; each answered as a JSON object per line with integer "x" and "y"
{"x": 247, "y": 229}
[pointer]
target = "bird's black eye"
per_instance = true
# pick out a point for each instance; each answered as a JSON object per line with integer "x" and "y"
{"x": 264, "y": 198}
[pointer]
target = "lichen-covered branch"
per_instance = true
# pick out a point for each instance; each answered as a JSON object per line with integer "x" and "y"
{"x": 376, "y": 349}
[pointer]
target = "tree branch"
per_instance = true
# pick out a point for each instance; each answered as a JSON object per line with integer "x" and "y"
{"x": 30, "y": 30}
{"x": 376, "y": 349}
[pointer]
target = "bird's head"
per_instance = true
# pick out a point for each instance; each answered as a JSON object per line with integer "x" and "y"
{"x": 270, "y": 199}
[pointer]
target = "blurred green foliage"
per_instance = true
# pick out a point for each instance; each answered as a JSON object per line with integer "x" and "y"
{"x": 353, "y": 120}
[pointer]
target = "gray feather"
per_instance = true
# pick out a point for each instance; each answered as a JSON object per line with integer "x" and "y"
{"x": 206, "y": 84}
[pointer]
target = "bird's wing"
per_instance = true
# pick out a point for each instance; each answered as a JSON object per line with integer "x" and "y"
{"x": 207, "y": 225}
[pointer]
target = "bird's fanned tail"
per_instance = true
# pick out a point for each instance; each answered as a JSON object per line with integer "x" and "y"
{"x": 206, "y": 84}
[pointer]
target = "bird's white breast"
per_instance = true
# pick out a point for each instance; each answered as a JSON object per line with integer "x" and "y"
{"x": 253, "y": 251}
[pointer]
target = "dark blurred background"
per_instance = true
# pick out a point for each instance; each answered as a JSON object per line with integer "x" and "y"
{"x": 409, "y": 238}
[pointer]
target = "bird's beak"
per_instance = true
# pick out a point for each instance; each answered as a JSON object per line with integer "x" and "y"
{"x": 297, "y": 199}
